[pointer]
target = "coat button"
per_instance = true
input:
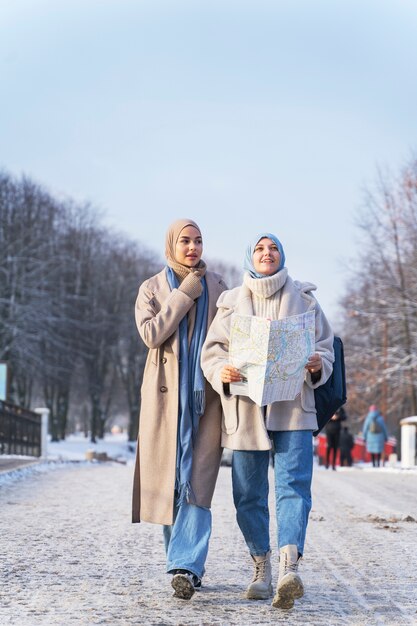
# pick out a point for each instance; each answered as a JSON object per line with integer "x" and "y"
{"x": 163, "y": 389}
{"x": 163, "y": 360}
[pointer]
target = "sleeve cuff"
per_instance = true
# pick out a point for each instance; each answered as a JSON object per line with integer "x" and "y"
{"x": 191, "y": 286}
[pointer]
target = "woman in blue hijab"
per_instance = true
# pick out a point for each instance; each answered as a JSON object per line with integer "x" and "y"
{"x": 285, "y": 427}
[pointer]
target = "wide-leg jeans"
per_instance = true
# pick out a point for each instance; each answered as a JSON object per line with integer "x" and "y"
{"x": 293, "y": 468}
{"x": 187, "y": 540}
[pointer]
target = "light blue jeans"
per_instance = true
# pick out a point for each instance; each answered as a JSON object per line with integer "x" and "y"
{"x": 187, "y": 540}
{"x": 293, "y": 467}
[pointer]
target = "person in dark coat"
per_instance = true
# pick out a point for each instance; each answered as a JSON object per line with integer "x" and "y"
{"x": 333, "y": 429}
{"x": 346, "y": 445}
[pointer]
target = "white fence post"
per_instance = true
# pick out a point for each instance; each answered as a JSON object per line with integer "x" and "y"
{"x": 408, "y": 441}
{"x": 44, "y": 413}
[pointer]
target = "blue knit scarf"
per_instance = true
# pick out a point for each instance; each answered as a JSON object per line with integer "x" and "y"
{"x": 191, "y": 389}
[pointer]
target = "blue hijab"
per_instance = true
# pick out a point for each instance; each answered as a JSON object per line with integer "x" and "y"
{"x": 248, "y": 262}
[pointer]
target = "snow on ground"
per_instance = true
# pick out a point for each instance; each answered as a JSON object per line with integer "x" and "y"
{"x": 74, "y": 447}
{"x": 63, "y": 454}
{"x": 70, "y": 554}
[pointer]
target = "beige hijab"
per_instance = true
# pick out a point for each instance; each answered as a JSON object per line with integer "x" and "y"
{"x": 171, "y": 239}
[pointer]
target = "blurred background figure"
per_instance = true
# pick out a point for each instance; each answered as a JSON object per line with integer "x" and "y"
{"x": 375, "y": 434}
{"x": 333, "y": 429}
{"x": 346, "y": 444}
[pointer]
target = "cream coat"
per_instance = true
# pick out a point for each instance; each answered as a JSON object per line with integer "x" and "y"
{"x": 243, "y": 423}
{"x": 158, "y": 314}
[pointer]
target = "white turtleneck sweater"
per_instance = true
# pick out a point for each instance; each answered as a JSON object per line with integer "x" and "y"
{"x": 266, "y": 293}
{"x": 266, "y": 299}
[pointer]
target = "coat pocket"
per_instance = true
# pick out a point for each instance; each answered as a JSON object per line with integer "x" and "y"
{"x": 230, "y": 418}
{"x": 307, "y": 399}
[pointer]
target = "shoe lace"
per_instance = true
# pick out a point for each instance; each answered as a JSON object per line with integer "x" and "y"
{"x": 260, "y": 570}
{"x": 290, "y": 567}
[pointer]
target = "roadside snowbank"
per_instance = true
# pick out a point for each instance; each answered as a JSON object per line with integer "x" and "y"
{"x": 69, "y": 453}
{"x": 74, "y": 448}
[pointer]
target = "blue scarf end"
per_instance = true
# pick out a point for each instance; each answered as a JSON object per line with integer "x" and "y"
{"x": 199, "y": 401}
{"x": 185, "y": 494}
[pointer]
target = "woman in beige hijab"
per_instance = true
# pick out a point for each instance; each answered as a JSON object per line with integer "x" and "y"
{"x": 178, "y": 454}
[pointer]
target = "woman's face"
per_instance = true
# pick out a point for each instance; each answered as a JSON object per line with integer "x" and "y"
{"x": 266, "y": 257}
{"x": 189, "y": 247}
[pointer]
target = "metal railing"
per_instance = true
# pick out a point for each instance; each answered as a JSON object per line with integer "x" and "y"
{"x": 20, "y": 430}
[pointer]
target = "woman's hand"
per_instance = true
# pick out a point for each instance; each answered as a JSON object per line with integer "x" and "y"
{"x": 313, "y": 364}
{"x": 196, "y": 271}
{"x": 230, "y": 374}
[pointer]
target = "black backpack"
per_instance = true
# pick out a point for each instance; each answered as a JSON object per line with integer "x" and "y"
{"x": 332, "y": 395}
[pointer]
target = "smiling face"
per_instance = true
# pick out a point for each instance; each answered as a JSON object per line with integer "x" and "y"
{"x": 266, "y": 257}
{"x": 189, "y": 247}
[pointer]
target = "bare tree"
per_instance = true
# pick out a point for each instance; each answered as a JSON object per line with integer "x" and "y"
{"x": 67, "y": 290}
{"x": 381, "y": 304}
{"x": 27, "y": 216}
{"x": 136, "y": 265}
{"x": 67, "y": 293}
{"x": 231, "y": 274}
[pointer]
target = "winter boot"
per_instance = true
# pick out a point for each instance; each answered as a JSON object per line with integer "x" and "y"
{"x": 184, "y": 584}
{"x": 289, "y": 586}
{"x": 261, "y": 585}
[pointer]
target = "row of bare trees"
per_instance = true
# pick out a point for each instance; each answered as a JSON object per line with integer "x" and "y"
{"x": 380, "y": 303}
{"x": 67, "y": 292}
{"x": 68, "y": 286}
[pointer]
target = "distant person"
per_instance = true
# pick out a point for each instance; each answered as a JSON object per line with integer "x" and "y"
{"x": 375, "y": 434}
{"x": 346, "y": 445}
{"x": 333, "y": 429}
{"x": 178, "y": 452}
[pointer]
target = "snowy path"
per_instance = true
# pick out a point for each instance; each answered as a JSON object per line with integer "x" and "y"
{"x": 69, "y": 555}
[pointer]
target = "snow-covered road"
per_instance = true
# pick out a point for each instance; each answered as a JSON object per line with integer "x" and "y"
{"x": 69, "y": 554}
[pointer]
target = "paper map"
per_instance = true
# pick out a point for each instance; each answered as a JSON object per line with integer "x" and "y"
{"x": 271, "y": 355}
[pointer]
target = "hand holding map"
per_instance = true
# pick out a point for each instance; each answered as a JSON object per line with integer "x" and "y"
{"x": 271, "y": 355}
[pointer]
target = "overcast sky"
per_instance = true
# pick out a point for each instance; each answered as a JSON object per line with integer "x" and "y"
{"x": 245, "y": 116}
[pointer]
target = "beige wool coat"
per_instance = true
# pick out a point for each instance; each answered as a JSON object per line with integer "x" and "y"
{"x": 158, "y": 313}
{"x": 244, "y": 423}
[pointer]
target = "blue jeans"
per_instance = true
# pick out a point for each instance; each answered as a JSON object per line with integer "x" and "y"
{"x": 293, "y": 467}
{"x": 187, "y": 541}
